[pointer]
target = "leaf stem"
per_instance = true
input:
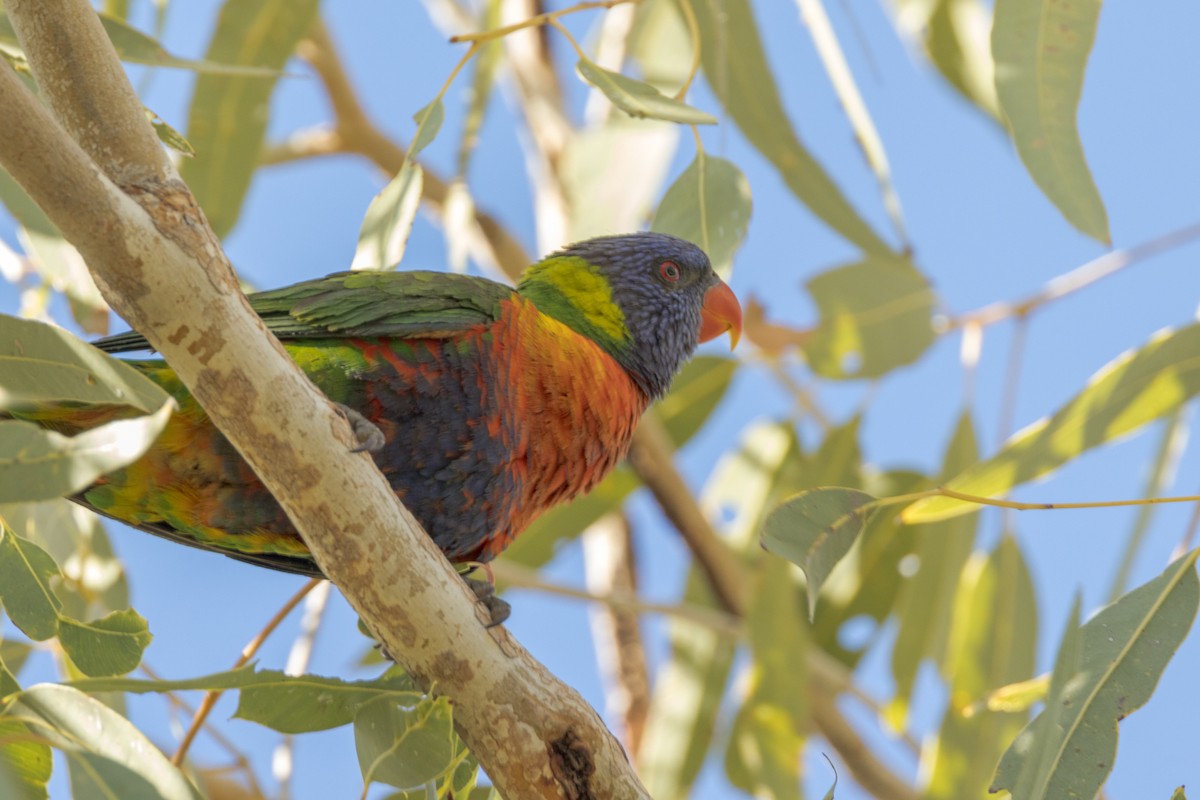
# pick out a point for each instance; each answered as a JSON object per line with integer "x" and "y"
{"x": 211, "y": 697}
{"x": 689, "y": 15}
{"x": 548, "y": 18}
{"x": 1018, "y": 506}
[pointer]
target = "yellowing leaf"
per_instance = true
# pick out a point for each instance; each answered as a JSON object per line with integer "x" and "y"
{"x": 1125, "y": 394}
{"x": 1041, "y": 49}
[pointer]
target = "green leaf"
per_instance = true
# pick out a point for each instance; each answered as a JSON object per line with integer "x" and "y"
{"x": 405, "y": 745}
{"x": 24, "y": 765}
{"x": 737, "y": 70}
{"x": 690, "y": 685}
{"x": 1125, "y": 394}
{"x": 695, "y": 394}
{"x": 767, "y": 738}
{"x": 389, "y": 220}
{"x": 876, "y": 315}
{"x": 169, "y": 136}
{"x": 926, "y": 607}
{"x": 956, "y": 34}
{"x": 111, "y": 645}
{"x": 814, "y": 530}
{"x": 709, "y": 205}
{"x": 429, "y": 122}
{"x": 1105, "y": 671}
{"x": 1178, "y": 794}
{"x": 312, "y": 703}
{"x": 40, "y": 464}
{"x": 638, "y": 99}
{"x": 12, "y": 657}
{"x": 25, "y": 573}
{"x": 285, "y": 703}
{"x": 121, "y": 763}
{"x": 229, "y": 114}
{"x": 1041, "y": 50}
{"x": 41, "y": 363}
{"x": 991, "y": 644}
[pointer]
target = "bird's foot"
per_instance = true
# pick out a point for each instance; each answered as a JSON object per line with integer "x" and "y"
{"x": 485, "y": 592}
{"x": 368, "y": 435}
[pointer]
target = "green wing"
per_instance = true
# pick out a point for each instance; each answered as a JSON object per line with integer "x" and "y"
{"x": 366, "y": 304}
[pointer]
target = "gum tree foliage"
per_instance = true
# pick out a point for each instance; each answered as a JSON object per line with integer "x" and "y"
{"x": 622, "y": 110}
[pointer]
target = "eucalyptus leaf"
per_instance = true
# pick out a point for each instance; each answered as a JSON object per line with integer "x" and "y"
{"x": 389, "y": 220}
{"x": 638, "y": 99}
{"x": 876, "y": 315}
{"x": 429, "y": 122}
{"x": 41, "y": 363}
{"x": 122, "y": 763}
{"x": 736, "y": 66}
{"x": 25, "y": 765}
{"x": 402, "y": 745}
{"x": 40, "y": 464}
{"x": 1133, "y": 389}
{"x": 228, "y": 118}
{"x": 814, "y": 530}
{"x": 709, "y": 205}
{"x": 1041, "y": 50}
{"x": 1105, "y": 672}
{"x": 25, "y": 591}
{"x": 111, "y": 645}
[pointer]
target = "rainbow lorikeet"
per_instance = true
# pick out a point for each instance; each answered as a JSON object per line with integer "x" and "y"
{"x": 494, "y": 403}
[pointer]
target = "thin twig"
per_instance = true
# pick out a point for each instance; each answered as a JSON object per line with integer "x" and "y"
{"x": 240, "y": 760}
{"x": 518, "y": 576}
{"x": 548, "y": 18}
{"x": 297, "y": 664}
{"x": 1079, "y": 278}
{"x": 211, "y": 697}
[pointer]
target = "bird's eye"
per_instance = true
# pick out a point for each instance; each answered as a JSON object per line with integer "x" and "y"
{"x": 669, "y": 271}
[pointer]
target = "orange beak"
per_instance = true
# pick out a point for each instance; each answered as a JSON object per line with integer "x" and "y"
{"x": 721, "y": 312}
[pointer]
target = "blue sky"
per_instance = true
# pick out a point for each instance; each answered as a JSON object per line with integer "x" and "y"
{"x": 981, "y": 232}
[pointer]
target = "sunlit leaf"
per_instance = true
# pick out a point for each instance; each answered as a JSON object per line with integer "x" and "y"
{"x": 111, "y": 645}
{"x": 404, "y": 745}
{"x": 690, "y": 684}
{"x": 229, "y": 114}
{"x": 876, "y": 315}
{"x": 1125, "y": 394}
{"x": 1105, "y": 671}
{"x": 992, "y": 643}
{"x": 28, "y": 599}
{"x": 169, "y": 136}
{"x": 25, "y": 764}
{"x": 1041, "y": 49}
{"x": 638, "y": 99}
{"x": 709, "y": 205}
{"x": 389, "y": 220}
{"x": 121, "y": 763}
{"x": 926, "y": 606}
{"x": 767, "y": 738}
{"x": 814, "y": 530}
{"x": 39, "y": 464}
{"x": 737, "y": 70}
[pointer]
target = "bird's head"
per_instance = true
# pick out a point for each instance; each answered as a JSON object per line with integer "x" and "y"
{"x": 647, "y": 299}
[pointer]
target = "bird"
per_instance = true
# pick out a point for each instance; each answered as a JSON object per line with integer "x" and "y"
{"x": 483, "y": 404}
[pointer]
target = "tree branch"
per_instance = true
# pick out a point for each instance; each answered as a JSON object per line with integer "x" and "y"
{"x": 161, "y": 267}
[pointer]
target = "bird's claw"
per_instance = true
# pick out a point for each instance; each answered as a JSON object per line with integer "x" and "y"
{"x": 368, "y": 435}
{"x": 485, "y": 592}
